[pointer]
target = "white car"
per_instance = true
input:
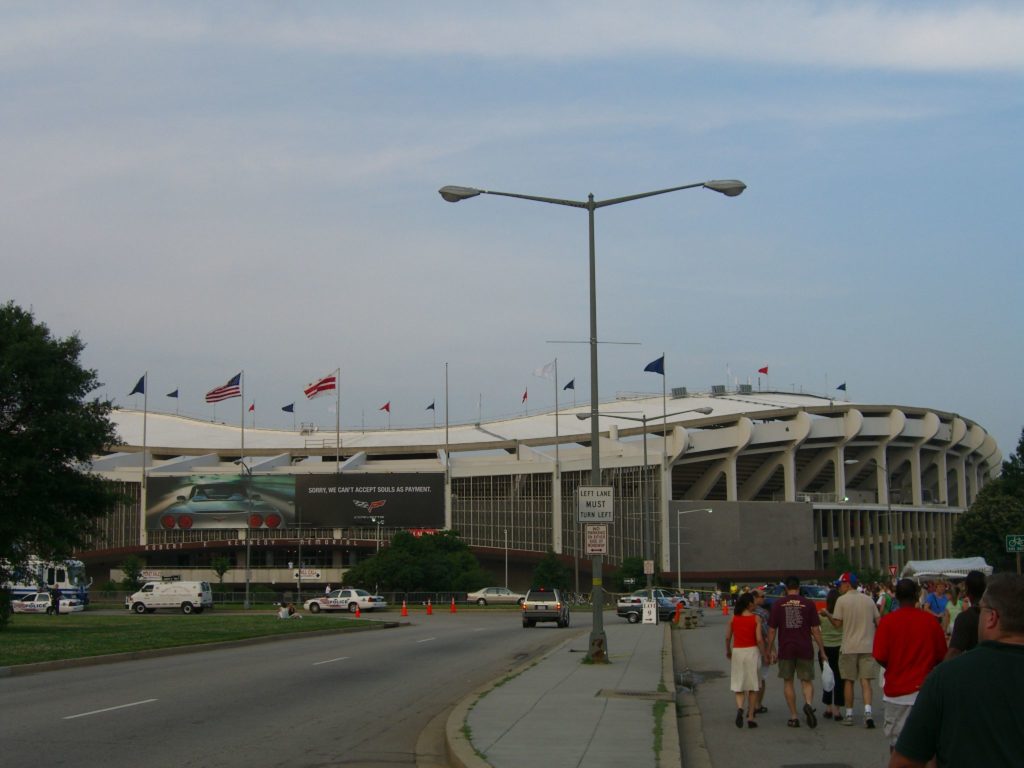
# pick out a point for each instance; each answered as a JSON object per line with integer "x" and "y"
{"x": 40, "y": 603}
{"x": 495, "y": 596}
{"x": 346, "y": 600}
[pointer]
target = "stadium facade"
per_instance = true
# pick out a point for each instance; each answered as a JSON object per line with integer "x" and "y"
{"x": 791, "y": 479}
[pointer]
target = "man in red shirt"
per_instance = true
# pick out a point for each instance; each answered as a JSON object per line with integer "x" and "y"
{"x": 909, "y": 643}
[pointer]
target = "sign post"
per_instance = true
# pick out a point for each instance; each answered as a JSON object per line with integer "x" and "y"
{"x": 1015, "y": 544}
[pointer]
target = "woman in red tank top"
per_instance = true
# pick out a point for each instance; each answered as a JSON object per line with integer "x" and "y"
{"x": 744, "y": 647}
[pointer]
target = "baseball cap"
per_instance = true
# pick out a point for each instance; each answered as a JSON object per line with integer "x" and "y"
{"x": 847, "y": 578}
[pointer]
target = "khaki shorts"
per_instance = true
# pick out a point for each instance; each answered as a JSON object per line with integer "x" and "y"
{"x": 895, "y": 717}
{"x": 857, "y": 666}
{"x": 802, "y": 668}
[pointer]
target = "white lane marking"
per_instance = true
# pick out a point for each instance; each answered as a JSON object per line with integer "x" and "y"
{"x": 480, "y": 629}
{"x": 110, "y": 709}
{"x": 340, "y": 658}
{"x": 426, "y": 640}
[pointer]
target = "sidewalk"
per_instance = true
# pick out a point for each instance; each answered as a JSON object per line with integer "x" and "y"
{"x": 560, "y": 712}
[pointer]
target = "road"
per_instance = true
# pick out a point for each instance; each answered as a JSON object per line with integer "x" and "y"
{"x": 348, "y": 699}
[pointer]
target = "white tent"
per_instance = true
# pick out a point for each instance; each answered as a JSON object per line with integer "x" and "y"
{"x": 947, "y": 568}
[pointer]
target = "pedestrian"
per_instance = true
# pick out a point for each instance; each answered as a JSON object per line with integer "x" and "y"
{"x": 968, "y": 709}
{"x": 908, "y": 644}
{"x": 762, "y": 615}
{"x": 327, "y": 589}
{"x": 744, "y": 647}
{"x": 935, "y": 601}
{"x": 55, "y": 600}
{"x": 832, "y": 637}
{"x": 793, "y": 620}
{"x": 856, "y": 613}
{"x": 953, "y": 608}
{"x": 885, "y": 601}
{"x": 965, "y": 629}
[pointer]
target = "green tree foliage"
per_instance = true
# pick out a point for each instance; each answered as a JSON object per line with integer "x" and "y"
{"x": 631, "y": 568}
{"x": 132, "y": 570}
{"x": 48, "y": 430}
{"x": 438, "y": 563}
{"x": 551, "y": 573}
{"x": 220, "y": 566}
{"x": 997, "y": 511}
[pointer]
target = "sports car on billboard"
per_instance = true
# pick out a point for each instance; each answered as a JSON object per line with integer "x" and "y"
{"x": 222, "y": 505}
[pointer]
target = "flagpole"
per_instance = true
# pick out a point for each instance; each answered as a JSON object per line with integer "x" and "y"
{"x": 446, "y": 418}
{"x": 145, "y": 418}
{"x": 337, "y": 420}
{"x": 664, "y": 412}
{"x": 241, "y": 380}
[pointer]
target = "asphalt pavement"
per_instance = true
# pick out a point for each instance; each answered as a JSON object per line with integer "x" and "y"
{"x": 559, "y": 711}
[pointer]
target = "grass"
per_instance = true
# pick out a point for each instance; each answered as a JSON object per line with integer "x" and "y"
{"x": 34, "y": 638}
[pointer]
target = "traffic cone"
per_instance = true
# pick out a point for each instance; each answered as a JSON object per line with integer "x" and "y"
{"x": 430, "y": 609}
{"x": 359, "y": 614}
{"x": 452, "y": 609}
{"x": 725, "y": 608}
{"x": 679, "y": 609}
{"x": 405, "y": 609}
{"x": 711, "y": 602}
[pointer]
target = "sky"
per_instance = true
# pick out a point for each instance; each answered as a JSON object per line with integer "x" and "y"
{"x": 198, "y": 189}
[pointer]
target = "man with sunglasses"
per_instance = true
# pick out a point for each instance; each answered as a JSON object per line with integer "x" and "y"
{"x": 968, "y": 711}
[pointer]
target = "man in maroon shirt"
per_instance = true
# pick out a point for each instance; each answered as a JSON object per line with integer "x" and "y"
{"x": 794, "y": 620}
{"x": 908, "y": 643}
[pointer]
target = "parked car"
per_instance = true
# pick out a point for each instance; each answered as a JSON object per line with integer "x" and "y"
{"x": 816, "y": 593}
{"x": 631, "y": 606}
{"x": 496, "y": 596}
{"x": 543, "y": 604}
{"x": 187, "y": 596}
{"x": 223, "y": 505}
{"x": 346, "y": 599}
{"x": 40, "y": 602}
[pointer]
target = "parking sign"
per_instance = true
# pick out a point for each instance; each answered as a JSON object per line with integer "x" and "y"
{"x": 1015, "y": 542}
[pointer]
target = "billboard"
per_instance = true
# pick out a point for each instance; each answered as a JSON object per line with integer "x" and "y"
{"x": 398, "y": 500}
{"x": 187, "y": 502}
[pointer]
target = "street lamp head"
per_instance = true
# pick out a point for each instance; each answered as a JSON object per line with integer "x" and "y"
{"x": 582, "y": 416}
{"x": 454, "y": 194}
{"x": 705, "y": 410}
{"x": 728, "y": 187}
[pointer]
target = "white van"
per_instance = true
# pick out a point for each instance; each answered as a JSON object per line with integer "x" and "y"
{"x": 189, "y": 596}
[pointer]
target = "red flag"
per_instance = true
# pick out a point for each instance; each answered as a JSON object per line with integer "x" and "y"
{"x": 386, "y": 407}
{"x": 525, "y": 392}
{"x": 252, "y": 408}
{"x": 763, "y": 370}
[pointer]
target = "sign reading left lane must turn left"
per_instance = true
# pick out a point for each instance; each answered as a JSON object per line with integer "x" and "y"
{"x": 595, "y": 503}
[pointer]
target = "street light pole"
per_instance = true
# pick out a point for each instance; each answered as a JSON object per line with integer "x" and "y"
{"x": 646, "y": 535}
{"x": 598, "y": 651}
{"x": 679, "y": 547}
{"x": 506, "y": 558}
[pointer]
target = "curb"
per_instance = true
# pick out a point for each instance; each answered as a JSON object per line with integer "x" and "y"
{"x": 693, "y": 749}
{"x": 152, "y": 653}
{"x": 671, "y": 751}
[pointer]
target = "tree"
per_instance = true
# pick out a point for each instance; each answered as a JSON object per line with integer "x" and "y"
{"x": 441, "y": 562}
{"x": 997, "y": 511}
{"x": 132, "y": 570}
{"x": 48, "y": 432}
{"x": 631, "y": 568}
{"x": 551, "y": 573}
{"x": 221, "y": 565}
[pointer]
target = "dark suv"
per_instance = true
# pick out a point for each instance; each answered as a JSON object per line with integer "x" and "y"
{"x": 543, "y": 604}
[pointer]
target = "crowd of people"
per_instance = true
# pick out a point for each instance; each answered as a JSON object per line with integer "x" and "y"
{"x": 949, "y": 658}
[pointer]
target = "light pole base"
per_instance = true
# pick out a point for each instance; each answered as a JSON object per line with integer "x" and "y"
{"x": 598, "y": 653}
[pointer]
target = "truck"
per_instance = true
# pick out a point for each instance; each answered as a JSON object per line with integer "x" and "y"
{"x": 186, "y": 596}
{"x": 38, "y": 575}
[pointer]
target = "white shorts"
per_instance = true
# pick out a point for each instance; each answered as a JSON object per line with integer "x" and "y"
{"x": 895, "y": 717}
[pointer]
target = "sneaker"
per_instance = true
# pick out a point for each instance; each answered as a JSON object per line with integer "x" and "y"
{"x": 848, "y": 720}
{"x": 869, "y": 723}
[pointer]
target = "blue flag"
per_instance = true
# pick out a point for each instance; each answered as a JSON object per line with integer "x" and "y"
{"x": 290, "y": 408}
{"x": 431, "y": 407}
{"x": 173, "y": 394}
{"x": 140, "y": 388}
{"x": 571, "y": 385}
{"x": 842, "y": 387}
{"x": 656, "y": 366}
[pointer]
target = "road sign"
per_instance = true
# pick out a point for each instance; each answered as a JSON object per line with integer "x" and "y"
{"x": 648, "y": 567}
{"x": 899, "y": 547}
{"x": 596, "y": 536}
{"x": 595, "y": 503}
{"x": 1015, "y": 542}
{"x": 892, "y": 570}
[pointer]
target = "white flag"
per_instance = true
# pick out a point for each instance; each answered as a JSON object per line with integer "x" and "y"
{"x": 546, "y": 371}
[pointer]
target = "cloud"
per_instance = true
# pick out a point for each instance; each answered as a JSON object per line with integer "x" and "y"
{"x": 878, "y": 36}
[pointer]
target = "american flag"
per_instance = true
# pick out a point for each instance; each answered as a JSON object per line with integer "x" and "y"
{"x": 232, "y": 389}
{"x": 318, "y": 387}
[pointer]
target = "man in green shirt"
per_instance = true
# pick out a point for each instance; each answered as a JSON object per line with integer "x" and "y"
{"x": 968, "y": 710}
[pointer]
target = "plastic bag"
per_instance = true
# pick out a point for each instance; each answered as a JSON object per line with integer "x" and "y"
{"x": 828, "y": 678}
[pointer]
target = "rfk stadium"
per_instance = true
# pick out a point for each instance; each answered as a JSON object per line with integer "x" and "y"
{"x": 727, "y": 485}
